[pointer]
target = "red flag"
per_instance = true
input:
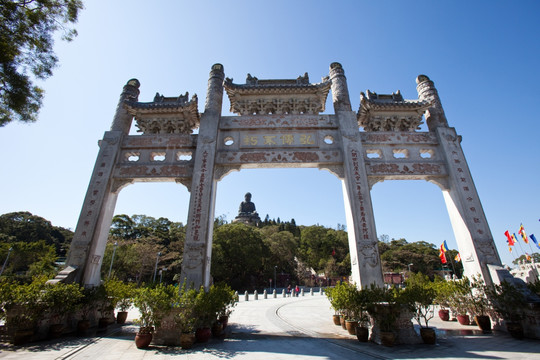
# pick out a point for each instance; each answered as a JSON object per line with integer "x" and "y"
{"x": 509, "y": 240}
{"x": 442, "y": 255}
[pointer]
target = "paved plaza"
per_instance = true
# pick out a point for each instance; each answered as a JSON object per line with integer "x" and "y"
{"x": 283, "y": 328}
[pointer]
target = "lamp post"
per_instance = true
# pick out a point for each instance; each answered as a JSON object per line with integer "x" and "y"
{"x": 155, "y": 267}
{"x": 409, "y": 266}
{"x": 5, "y": 262}
{"x": 275, "y": 269}
{"x": 112, "y": 259}
{"x": 161, "y": 274}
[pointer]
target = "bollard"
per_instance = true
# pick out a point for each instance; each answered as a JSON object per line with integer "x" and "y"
{"x": 293, "y": 293}
{"x": 321, "y": 291}
{"x": 311, "y": 291}
{"x": 255, "y": 295}
{"x": 246, "y": 296}
{"x": 302, "y": 292}
{"x": 236, "y": 295}
{"x": 265, "y": 294}
{"x": 284, "y": 293}
{"x": 274, "y": 293}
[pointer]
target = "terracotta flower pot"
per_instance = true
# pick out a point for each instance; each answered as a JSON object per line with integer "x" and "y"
{"x": 342, "y": 322}
{"x": 351, "y": 326}
{"x": 483, "y": 322}
{"x": 121, "y": 317}
{"x": 187, "y": 340}
{"x": 143, "y": 340}
{"x": 444, "y": 314}
{"x": 82, "y": 327}
{"x": 388, "y": 338}
{"x": 463, "y": 319}
{"x": 55, "y": 331}
{"x": 515, "y": 329}
{"x": 224, "y": 320}
{"x": 336, "y": 320}
{"x": 217, "y": 328}
{"x": 202, "y": 335}
{"x": 428, "y": 335}
{"x": 362, "y": 333}
{"x": 103, "y": 323}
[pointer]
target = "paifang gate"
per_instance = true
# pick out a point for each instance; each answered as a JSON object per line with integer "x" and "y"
{"x": 279, "y": 124}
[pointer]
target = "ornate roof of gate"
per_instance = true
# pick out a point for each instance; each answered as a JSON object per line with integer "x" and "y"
{"x": 390, "y": 112}
{"x": 166, "y": 115}
{"x": 277, "y": 96}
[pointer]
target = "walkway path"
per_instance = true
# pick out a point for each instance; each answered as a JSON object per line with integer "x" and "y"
{"x": 285, "y": 328}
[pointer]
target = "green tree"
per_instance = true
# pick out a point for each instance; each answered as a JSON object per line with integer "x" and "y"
{"x": 23, "y": 226}
{"x": 238, "y": 256}
{"x": 27, "y": 29}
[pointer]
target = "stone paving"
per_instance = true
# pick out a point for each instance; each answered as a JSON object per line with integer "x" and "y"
{"x": 284, "y": 328}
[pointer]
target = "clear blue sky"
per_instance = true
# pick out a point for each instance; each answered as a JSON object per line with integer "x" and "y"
{"x": 482, "y": 55}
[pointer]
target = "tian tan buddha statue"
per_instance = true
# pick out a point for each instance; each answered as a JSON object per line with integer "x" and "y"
{"x": 247, "y": 213}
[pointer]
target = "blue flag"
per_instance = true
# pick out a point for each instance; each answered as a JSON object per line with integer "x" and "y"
{"x": 533, "y": 238}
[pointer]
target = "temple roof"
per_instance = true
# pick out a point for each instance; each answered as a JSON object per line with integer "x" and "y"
{"x": 277, "y": 95}
{"x": 165, "y": 114}
{"x": 377, "y": 107}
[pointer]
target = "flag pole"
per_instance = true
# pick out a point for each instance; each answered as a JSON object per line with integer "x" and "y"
{"x": 452, "y": 261}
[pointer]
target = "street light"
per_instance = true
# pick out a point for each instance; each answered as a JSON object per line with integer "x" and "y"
{"x": 5, "y": 262}
{"x": 112, "y": 259}
{"x": 411, "y": 264}
{"x": 161, "y": 274}
{"x": 155, "y": 267}
{"x": 275, "y": 269}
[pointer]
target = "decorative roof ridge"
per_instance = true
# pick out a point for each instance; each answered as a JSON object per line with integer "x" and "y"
{"x": 162, "y": 102}
{"x": 387, "y": 101}
{"x": 254, "y": 83}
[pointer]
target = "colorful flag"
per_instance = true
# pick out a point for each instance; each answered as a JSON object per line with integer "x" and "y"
{"x": 514, "y": 237}
{"x": 509, "y": 239}
{"x": 457, "y": 258}
{"x": 533, "y": 238}
{"x": 444, "y": 247}
{"x": 510, "y": 248}
{"x": 442, "y": 255}
{"x": 523, "y": 234}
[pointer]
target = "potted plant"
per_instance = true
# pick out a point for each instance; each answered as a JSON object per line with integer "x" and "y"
{"x": 205, "y": 310}
{"x": 226, "y": 301}
{"x": 508, "y": 301}
{"x": 331, "y": 294}
{"x": 153, "y": 304}
{"x": 419, "y": 295}
{"x": 362, "y": 300}
{"x": 442, "y": 298}
{"x": 60, "y": 300}
{"x": 480, "y": 304}
{"x": 384, "y": 309}
{"x": 185, "y": 317}
{"x": 85, "y": 305}
{"x": 121, "y": 296}
{"x": 459, "y": 299}
{"x": 104, "y": 306}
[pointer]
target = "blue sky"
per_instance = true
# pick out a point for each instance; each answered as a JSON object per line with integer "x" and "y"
{"x": 483, "y": 57}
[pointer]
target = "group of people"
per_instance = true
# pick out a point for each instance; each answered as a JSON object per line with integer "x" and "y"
{"x": 291, "y": 292}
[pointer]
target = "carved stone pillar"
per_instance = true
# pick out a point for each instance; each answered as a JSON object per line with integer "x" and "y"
{"x": 198, "y": 245}
{"x": 365, "y": 259}
{"x": 90, "y": 238}
{"x": 435, "y": 116}
{"x": 469, "y": 222}
{"x": 122, "y": 119}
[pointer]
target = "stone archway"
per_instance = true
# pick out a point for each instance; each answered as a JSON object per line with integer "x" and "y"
{"x": 279, "y": 124}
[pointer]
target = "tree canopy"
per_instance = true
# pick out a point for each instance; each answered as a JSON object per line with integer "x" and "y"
{"x": 27, "y": 29}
